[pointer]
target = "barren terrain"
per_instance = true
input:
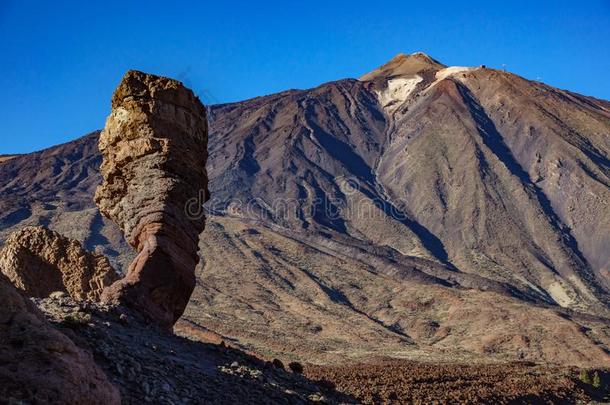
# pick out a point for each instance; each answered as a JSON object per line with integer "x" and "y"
{"x": 423, "y": 213}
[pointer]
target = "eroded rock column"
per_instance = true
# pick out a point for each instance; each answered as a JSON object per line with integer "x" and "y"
{"x": 154, "y": 149}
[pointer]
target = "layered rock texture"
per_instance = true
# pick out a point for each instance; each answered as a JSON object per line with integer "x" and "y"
{"x": 154, "y": 149}
{"x": 423, "y": 211}
{"x": 40, "y": 365}
{"x": 39, "y": 261}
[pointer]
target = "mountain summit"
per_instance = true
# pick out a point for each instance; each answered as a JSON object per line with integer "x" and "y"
{"x": 404, "y": 65}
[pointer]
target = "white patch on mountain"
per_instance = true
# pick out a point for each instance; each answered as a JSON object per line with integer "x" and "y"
{"x": 451, "y": 70}
{"x": 397, "y": 91}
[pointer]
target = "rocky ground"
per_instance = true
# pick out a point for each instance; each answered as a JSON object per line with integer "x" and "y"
{"x": 150, "y": 365}
{"x": 395, "y": 381}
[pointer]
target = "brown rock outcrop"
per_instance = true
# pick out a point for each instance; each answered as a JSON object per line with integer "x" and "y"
{"x": 38, "y": 364}
{"x": 154, "y": 149}
{"x": 40, "y": 261}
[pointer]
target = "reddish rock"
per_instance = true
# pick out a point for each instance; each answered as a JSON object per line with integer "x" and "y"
{"x": 154, "y": 149}
{"x": 38, "y": 364}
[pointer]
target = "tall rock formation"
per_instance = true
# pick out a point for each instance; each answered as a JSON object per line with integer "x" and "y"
{"x": 154, "y": 149}
{"x": 40, "y": 261}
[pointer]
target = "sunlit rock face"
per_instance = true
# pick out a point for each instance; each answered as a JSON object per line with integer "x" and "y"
{"x": 154, "y": 149}
{"x": 40, "y": 261}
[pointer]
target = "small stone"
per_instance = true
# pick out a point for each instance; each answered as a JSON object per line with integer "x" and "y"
{"x": 296, "y": 367}
{"x": 317, "y": 397}
{"x": 124, "y": 319}
{"x": 57, "y": 295}
{"x": 234, "y": 364}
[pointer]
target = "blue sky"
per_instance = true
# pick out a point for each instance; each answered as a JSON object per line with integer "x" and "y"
{"x": 60, "y": 61}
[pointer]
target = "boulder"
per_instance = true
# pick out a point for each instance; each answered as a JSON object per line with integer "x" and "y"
{"x": 40, "y": 365}
{"x": 154, "y": 149}
{"x": 39, "y": 261}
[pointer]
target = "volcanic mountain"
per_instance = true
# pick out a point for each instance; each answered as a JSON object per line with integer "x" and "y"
{"x": 421, "y": 211}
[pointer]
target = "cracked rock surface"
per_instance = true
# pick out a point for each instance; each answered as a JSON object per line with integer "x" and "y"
{"x": 39, "y": 261}
{"x": 154, "y": 149}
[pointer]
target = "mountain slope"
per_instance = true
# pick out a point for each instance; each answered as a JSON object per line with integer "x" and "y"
{"x": 433, "y": 176}
{"x": 423, "y": 211}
